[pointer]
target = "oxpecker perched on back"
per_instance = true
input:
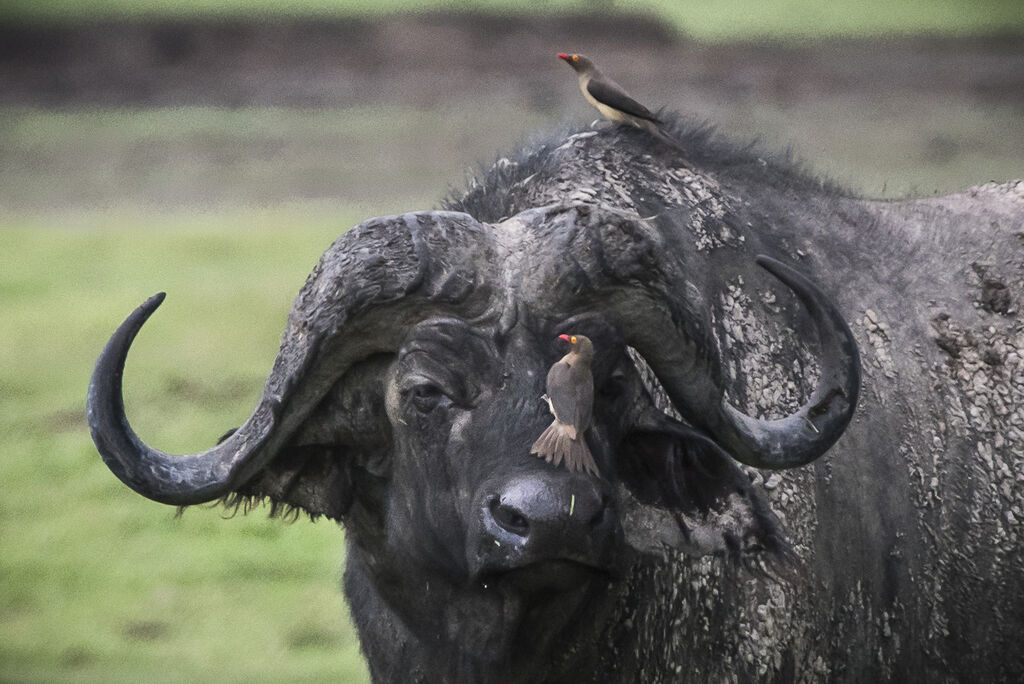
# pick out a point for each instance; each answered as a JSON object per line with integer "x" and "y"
{"x": 612, "y": 101}
{"x": 570, "y": 396}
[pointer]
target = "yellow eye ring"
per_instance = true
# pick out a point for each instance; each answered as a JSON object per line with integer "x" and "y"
{"x": 573, "y": 339}
{"x": 575, "y": 58}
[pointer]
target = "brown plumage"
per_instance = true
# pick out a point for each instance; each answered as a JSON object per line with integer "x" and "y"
{"x": 612, "y": 100}
{"x": 570, "y": 396}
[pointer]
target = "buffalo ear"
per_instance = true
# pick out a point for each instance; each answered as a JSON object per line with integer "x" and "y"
{"x": 683, "y": 492}
{"x": 343, "y": 448}
{"x": 317, "y": 479}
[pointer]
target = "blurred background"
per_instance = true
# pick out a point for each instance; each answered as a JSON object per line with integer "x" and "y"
{"x": 214, "y": 148}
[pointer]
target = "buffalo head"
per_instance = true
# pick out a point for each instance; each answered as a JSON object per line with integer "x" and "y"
{"x": 407, "y": 393}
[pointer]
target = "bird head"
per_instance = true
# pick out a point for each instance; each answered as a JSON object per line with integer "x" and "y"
{"x": 579, "y": 344}
{"x": 577, "y": 62}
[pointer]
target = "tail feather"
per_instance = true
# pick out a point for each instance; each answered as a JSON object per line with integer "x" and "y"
{"x": 655, "y": 129}
{"x": 555, "y": 445}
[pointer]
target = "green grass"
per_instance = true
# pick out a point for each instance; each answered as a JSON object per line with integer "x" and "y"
{"x": 723, "y": 20}
{"x": 98, "y": 584}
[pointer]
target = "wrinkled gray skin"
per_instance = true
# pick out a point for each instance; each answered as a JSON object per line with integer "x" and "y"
{"x": 412, "y": 426}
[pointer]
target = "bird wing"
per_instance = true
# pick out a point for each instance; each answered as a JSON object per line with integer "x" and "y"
{"x": 584, "y": 388}
{"x": 613, "y": 96}
{"x": 562, "y": 394}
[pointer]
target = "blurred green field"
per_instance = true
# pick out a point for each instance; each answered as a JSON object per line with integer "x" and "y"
{"x": 96, "y": 583}
{"x": 723, "y": 20}
{"x": 382, "y": 159}
{"x": 394, "y": 159}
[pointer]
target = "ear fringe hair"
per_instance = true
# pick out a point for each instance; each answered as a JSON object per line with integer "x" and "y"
{"x": 238, "y": 502}
{"x": 768, "y": 555}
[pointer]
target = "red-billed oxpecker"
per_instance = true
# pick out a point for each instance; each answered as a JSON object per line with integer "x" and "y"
{"x": 571, "y": 399}
{"x": 612, "y": 101}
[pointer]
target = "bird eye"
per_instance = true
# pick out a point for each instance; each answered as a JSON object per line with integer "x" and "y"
{"x": 575, "y": 58}
{"x": 573, "y": 339}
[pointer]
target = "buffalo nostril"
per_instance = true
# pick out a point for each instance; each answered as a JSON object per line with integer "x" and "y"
{"x": 510, "y": 519}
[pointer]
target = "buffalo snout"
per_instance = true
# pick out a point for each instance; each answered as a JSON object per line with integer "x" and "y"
{"x": 544, "y": 518}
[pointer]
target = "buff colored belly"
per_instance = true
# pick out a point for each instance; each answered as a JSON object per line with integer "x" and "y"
{"x": 606, "y": 111}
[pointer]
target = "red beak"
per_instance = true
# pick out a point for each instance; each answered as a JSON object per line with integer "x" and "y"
{"x": 564, "y": 338}
{"x": 562, "y": 55}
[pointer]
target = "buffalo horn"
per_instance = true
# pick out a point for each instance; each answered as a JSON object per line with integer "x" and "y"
{"x": 697, "y": 388}
{"x": 369, "y": 287}
{"x": 635, "y": 272}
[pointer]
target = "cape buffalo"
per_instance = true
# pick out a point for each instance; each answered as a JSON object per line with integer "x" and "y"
{"x": 727, "y": 295}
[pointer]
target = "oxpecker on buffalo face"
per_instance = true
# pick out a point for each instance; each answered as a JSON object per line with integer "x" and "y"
{"x": 570, "y": 396}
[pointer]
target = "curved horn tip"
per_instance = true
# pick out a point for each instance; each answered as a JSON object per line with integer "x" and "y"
{"x": 116, "y": 349}
{"x": 154, "y": 474}
{"x": 783, "y": 272}
{"x": 146, "y": 309}
{"x": 840, "y": 378}
{"x": 151, "y": 304}
{"x": 143, "y": 311}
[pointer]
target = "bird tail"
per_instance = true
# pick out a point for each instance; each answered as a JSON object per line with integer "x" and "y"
{"x": 655, "y": 129}
{"x": 555, "y": 445}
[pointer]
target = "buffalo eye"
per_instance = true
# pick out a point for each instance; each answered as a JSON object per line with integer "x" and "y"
{"x": 427, "y": 397}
